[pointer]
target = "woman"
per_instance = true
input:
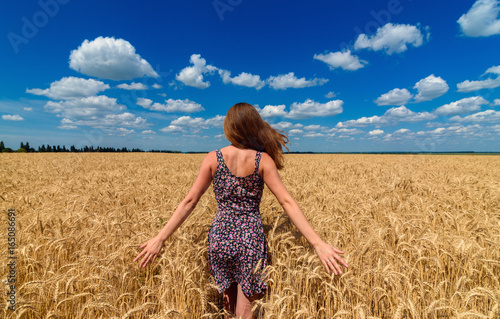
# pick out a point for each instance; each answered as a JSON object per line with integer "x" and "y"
{"x": 237, "y": 250}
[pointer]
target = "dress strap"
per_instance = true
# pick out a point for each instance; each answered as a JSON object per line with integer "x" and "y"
{"x": 257, "y": 160}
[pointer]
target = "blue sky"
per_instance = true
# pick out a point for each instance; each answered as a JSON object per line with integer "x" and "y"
{"x": 337, "y": 76}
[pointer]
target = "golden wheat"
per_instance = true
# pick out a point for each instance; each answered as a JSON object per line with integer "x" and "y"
{"x": 421, "y": 235}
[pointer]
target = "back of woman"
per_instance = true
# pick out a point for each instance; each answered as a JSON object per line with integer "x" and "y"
{"x": 237, "y": 250}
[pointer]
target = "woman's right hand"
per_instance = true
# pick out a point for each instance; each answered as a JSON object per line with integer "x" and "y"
{"x": 151, "y": 250}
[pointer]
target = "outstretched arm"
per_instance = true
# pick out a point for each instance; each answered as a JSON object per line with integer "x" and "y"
{"x": 153, "y": 246}
{"x": 328, "y": 254}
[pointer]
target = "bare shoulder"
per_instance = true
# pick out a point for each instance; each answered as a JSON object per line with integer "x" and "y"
{"x": 266, "y": 165}
{"x": 210, "y": 162}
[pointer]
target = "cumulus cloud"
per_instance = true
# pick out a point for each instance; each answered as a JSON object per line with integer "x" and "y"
{"x": 363, "y": 121}
{"x": 394, "y": 97}
{"x": 391, "y": 117}
{"x": 273, "y": 111}
{"x": 375, "y": 132}
{"x": 331, "y": 95}
{"x": 109, "y": 58}
{"x": 244, "y": 79}
{"x": 470, "y": 86}
{"x": 92, "y": 107}
{"x": 488, "y": 116}
{"x": 391, "y": 38}
{"x": 341, "y": 59}
{"x": 463, "y": 106}
{"x": 148, "y": 132}
{"x": 403, "y": 114}
{"x": 286, "y": 125}
{"x": 310, "y": 108}
{"x": 157, "y": 86}
{"x": 193, "y": 75}
{"x": 184, "y": 123}
{"x": 14, "y": 117}
{"x": 496, "y": 102}
{"x": 109, "y": 122}
{"x": 481, "y": 20}
{"x": 430, "y": 88}
{"x": 29, "y": 109}
{"x": 171, "y": 105}
{"x": 70, "y": 88}
{"x": 285, "y": 81}
{"x": 132, "y": 86}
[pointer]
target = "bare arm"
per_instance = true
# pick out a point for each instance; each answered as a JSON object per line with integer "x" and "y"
{"x": 328, "y": 254}
{"x": 153, "y": 246}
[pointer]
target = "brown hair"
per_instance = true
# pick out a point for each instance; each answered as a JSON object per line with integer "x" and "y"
{"x": 245, "y": 128}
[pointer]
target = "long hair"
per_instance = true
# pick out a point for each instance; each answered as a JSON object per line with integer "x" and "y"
{"x": 245, "y": 128}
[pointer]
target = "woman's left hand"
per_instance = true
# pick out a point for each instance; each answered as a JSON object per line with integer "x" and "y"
{"x": 330, "y": 258}
{"x": 151, "y": 250}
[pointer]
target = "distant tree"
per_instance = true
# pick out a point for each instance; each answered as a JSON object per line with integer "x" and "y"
{"x": 21, "y": 150}
{"x": 64, "y": 148}
{"x": 7, "y": 150}
{"x": 2, "y": 146}
{"x": 28, "y": 147}
{"x": 72, "y": 148}
{"x": 49, "y": 148}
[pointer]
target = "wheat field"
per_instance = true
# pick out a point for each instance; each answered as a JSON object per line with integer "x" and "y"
{"x": 421, "y": 235}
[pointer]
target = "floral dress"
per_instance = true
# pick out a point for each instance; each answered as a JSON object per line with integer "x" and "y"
{"x": 237, "y": 250}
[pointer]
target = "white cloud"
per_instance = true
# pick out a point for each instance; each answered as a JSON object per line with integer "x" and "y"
{"x": 132, "y": 86}
{"x": 402, "y": 131}
{"x": 172, "y": 129}
{"x": 482, "y": 19}
{"x": 331, "y": 95}
{"x": 193, "y": 75}
{"x": 341, "y": 59}
{"x": 273, "y": 111}
{"x": 14, "y": 117}
{"x": 92, "y": 107}
{"x": 463, "y": 106}
{"x": 394, "y": 97}
{"x": 286, "y": 125}
{"x": 157, "y": 86}
{"x": 488, "y": 116}
{"x": 469, "y": 86}
{"x": 285, "y": 81}
{"x": 171, "y": 105}
{"x": 376, "y": 132}
{"x": 244, "y": 79}
{"x": 403, "y": 114}
{"x": 430, "y": 88}
{"x": 184, "y": 123}
{"x": 123, "y": 131}
{"x": 109, "y": 122}
{"x": 496, "y": 102}
{"x": 392, "y": 38}
{"x": 391, "y": 117}
{"x": 148, "y": 132}
{"x": 310, "y": 108}
{"x": 295, "y": 131}
{"x": 363, "y": 121}
{"x": 71, "y": 87}
{"x": 110, "y": 58}
{"x": 29, "y": 109}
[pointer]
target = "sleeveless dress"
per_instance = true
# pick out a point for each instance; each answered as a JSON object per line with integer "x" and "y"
{"x": 237, "y": 250}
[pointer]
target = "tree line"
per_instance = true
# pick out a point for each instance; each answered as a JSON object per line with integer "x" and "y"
{"x": 26, "y": 148}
